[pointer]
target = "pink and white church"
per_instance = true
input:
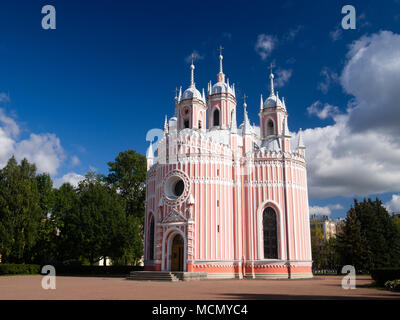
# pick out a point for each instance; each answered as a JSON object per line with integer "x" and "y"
{"x": 223, "y": 199}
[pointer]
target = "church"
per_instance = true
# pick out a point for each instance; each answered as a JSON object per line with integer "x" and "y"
{"x": 224, "y": 199}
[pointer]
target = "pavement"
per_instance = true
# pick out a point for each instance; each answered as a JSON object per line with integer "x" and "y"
{"x": 112, "y": 288}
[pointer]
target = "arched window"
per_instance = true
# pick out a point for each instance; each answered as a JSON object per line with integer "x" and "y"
{"x": 270, "y": 127}
{"x": 216, "y": 117}
{"x": 151, "y": 240}
{"x": 270, "y": 234}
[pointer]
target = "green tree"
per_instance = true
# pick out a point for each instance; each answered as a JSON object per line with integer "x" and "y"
{"x": 20, "y": 211}
{"x": 369, "y": 237}
{"x": 317, "y": 243}
{"x": 396, "y": 220}
{"x": 128, "y": 174}
{"x": 96, "y": 226}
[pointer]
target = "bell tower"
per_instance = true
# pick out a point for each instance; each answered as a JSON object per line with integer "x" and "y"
{"x": 221, "y": 100}
{"x": 273, "y": 119}
{"x": 191, "y": 107}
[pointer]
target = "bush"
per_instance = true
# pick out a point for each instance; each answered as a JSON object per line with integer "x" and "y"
{"x": 393, "y": 285}
{"x": 19, "y": 269}
{"x": 381, "y": 276}
{"x": 71, "y": 269}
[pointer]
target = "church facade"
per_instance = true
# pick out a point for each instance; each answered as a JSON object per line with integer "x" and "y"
{"x": 224, "y": 199}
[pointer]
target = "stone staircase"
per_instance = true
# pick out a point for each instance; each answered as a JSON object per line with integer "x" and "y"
{"x": 166, "y": 276}
{"x": 152, "y": 276}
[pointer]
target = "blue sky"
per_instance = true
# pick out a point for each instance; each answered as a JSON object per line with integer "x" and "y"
{"x": 93, "y": 87}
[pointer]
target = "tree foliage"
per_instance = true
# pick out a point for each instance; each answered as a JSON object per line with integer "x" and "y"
{"x": 102, "y": 217}
{"x": 20, "y": 211}
{"x": 128, "y": 174}
{"x": 369, "y": 237}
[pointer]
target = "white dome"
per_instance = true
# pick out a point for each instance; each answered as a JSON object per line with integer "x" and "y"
{"x": 221, "y": 87}
{"x": 191, "y": 93}
{"x": 272, "y": 101}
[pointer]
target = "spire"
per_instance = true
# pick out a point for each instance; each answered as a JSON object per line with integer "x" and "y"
{"x": 150, "y": 153}
{"x": 247, "y": 129}
{"x": 285, "y": 130}
{"x": 220, "y": 59}
{"x": 192, "y": 73}
{"x": 165, "y": 125}
{"x": 261, "y": 102}
{"x": 203, "y": 96}
{"x": 176, "y": 95}
{"x": 233, "y": 122}
{"x": 283, "y": 103}
{"x": 271, "y": 78}
{"x": 180, "y": 94}
{"x": 220, "y": 75}
{"x": 300, "y": 144}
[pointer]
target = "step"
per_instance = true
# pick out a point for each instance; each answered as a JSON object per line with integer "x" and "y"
{"x": 166, "y": 276}
{"x": 152, "y": 276}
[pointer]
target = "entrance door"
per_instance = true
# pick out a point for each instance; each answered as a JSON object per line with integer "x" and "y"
{"x": 177, "y": 253}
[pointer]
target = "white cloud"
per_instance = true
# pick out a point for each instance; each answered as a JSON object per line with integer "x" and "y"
{"x": 75, "y": 161}
{"x": 325, "y": 210}
{"x": 293, "y": 33}
{"x": 8, "y": 124}
{"x": 372, "y": 76}
{"x": 282, "y": 77}
{"x": 71, "y": 177}
{"x": 328, "y": 111}
{"x": 330, "y": 78}
{"x": 394, "y": 204}
{"x": 336, "y": 34}
{"x": 360, "y": 153}
{"x": 4, "y": 97}
{"x": 44, "y": 150}
{"x": 196, "y": 56}
{"x": 265, "y": 45}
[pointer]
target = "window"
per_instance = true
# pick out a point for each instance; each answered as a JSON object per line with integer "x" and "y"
{"x": 174, "y": 187}
{"x": 151, "y": 247}
{"x": 270, "y": 234}
{"x": 199, "y": 124}
{"x": 216, "y": 117}
{"x": 270, "y": 128}
{"x": 186, "y": 124}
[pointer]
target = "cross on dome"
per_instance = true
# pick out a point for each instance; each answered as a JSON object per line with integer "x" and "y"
{"x": 271, "y": 77}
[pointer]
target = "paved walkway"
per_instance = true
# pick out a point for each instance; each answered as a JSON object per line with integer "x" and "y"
{"x": 81, "y": 288}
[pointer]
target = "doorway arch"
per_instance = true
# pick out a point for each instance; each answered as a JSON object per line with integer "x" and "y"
{"x": 177, "y": 253}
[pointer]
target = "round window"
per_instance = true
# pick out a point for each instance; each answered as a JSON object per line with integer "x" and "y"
{"x": 174, "y": 187}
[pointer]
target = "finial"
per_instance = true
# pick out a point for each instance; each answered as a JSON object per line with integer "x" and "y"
{"x": 261, "y": 102}
{"x": 271, "y": 77}
{"x": 220, "y": 59}
{"x": 244, "y": 100}
{"x": 300, "y": 143}
{"x": 176, "y": 94}
{"x": 192, "y": 72}
{"x": 166, "y": 124}
{"x": 233, "y": 122}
